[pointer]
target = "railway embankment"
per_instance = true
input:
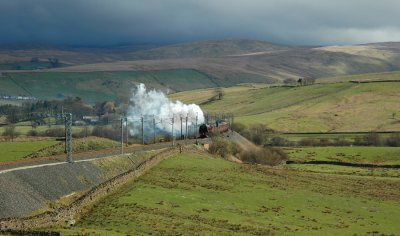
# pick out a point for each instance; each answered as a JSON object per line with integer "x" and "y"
{"x": 93, "y": 175}
{"x": 41, "y": 189}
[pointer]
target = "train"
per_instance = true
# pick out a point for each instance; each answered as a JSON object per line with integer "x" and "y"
{"x": 208, "y": 129}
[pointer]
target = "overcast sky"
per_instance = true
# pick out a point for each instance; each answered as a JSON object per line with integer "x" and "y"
{"x": 110, "y": 22}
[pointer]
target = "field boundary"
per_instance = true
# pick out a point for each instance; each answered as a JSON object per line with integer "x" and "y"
{"x": 372, "y": 81}
{"x": 340, "y": 163}
{"x": 28, "y": 232}
{"x": 350, "y": 132}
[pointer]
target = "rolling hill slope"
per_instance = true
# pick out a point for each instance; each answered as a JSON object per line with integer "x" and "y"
{"x": 343, "y": 106}
{"x": 99, "y": 86}
{"x": 232, "y": 59}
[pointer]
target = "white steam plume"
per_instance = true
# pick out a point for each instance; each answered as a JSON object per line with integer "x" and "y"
{"x": 153, "y": 103}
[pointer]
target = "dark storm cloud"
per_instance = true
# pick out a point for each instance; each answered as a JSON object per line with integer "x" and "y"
{"x": 104, "y": 22}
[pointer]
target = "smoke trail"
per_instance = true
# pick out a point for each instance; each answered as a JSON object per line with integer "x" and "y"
{"x": 153, "y": 103}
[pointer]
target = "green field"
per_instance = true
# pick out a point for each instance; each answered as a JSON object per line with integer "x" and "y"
{"x": 99, "y": 86}
{"x": 27, "y": 65}
{"x": 24, "y": 129}
{"x": 370, "y": 155}
{"x": 194, "y": 194}
{"x": 346, "y": 170}
{"x": 394, "y": 75}
{"x": 330, "y": 136}
{"x": 316, "y": 108}
{"x": 78, "y": 145}
{"x": 12, "y": 151}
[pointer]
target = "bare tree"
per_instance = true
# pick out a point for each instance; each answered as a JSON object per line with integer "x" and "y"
{"x": 10, "y": 133}
{"x": 34, "y": 59}
{"x": 300, "y": 81}
{"x": 289, "y": 81}
{"x": 54, "y": 62}
{"x": 219, "y": 93}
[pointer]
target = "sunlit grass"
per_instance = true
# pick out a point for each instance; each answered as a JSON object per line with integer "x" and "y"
{"x": 195, "y": 194}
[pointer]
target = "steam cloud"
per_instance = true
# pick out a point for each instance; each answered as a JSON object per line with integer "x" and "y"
{"x": 153, "y": 103}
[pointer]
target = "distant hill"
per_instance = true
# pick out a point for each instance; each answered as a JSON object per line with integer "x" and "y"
{"x": 210, "y": 49}
{"x": 264, "y": 63}
{"x": 225, "y": 62}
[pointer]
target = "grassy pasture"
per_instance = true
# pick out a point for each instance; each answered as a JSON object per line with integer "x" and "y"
{"x": 345, "y": 170}
{"x": 196, "y": 194}
{"x": 372, "y": 155}
{"x": 78, "y": 145}
{"x": 347, "y": 137}
{"x": 395, "y": 75}
{"x": 99, "y": 86}
{"x": 315, "y": 108}
{"x": 12, "y": 151}
{"x": 26, "y": 65}
{"x": 24, "y": 129}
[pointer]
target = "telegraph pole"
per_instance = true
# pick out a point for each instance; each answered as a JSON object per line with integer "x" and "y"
{"x": 127, "y": 131}
{"x": 186, "y": 127}
{"x": 122, "y": 135}
{"x": 181, "y": 128}
{"x": 142, "y": 131}
{"x": 154, "y": 129}
{"x": 172, "y": 130}
{"x": 195, "y": 129}
{"x": 68, "y": 136}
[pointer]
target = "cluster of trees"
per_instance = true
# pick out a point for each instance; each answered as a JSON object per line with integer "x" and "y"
{"x": 39, "y": 110}
{"x": 300, "y": 81}
{"x": 218, "y": 94}
{"x": 42, "y": 109}
{"x": 260, "y": 134}
{"x": 258, "y": 155}
{"x": 54, "y": 62}
{"x": 371, "y": 139}
{"x": 10, "y": 133}
{"x": 110, "y": 132}
{"x": 375, "y": 139}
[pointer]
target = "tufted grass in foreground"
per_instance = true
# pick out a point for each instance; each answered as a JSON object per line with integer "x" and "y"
{"x": 12, "y": 151}
{"x": 192, "y": 194}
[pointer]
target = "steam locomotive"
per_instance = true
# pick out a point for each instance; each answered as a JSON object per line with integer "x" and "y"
{"x": 217, "y": 128}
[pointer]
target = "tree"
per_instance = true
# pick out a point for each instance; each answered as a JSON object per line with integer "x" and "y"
{"x": 10, "y": 133}
{"x": 34, "y": 59}
{"x": 306, "y": 81}
{"x": 54, "y": 62}
{"x": 12, "y": 116}
{"x": 309, "y": 81}
{"x": 300, "y": 81}
{"x": 289, "y": 81}
{"x": 218, "y": 93}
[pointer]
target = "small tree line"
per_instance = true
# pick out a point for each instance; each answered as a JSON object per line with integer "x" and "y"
{"x": 300, "y": 81}
{"x": 260, "y": 134}
{"x": 260, "y": 155}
